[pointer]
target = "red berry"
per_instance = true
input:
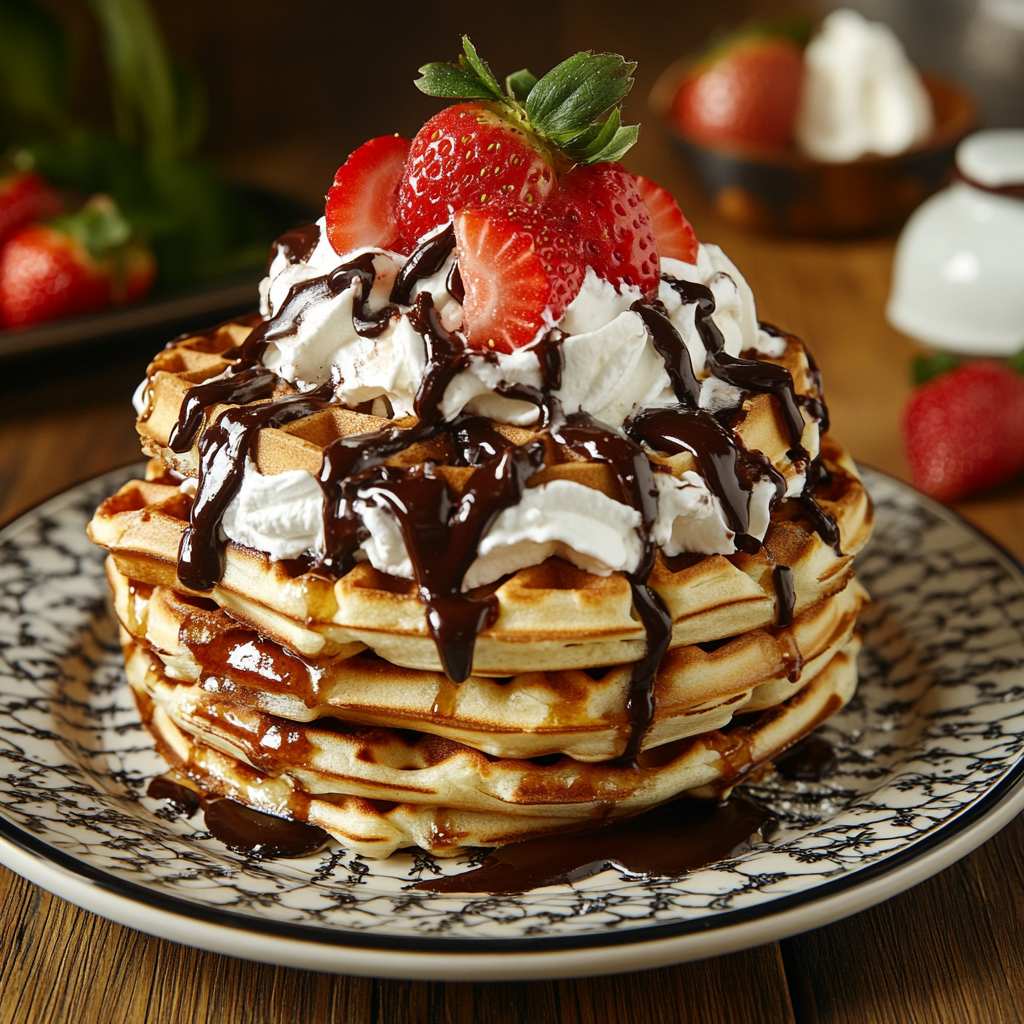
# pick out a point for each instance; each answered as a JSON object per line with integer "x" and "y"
{"x": 672, "y": 231}
{"x": 602, "y": 209}
{"x": 469, "y": 154}
{"x": 361, "y": 203}
{"x": 517, "y": 277}
{"x": 964, "y": 431}
{"x": 45, "y": 274}
{"x": 25, "y": 197}
{"x": 747, "y": 93}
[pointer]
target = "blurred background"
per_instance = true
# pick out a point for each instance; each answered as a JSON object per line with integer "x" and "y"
{"x": 292, "y": 89}
{"x": 289, "y": 90}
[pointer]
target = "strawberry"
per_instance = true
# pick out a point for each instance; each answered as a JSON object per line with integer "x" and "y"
{"x": 25, "y": 197}
{"x": 964, "y": 430}
{"x": 602, "y": 208}
{"x": 361, "y": 202}
{"x": 745, "y": 91}
{"x": 672, "y": 231}
{"x": 516, "y": 277}
{"x": 73, "y": 265}
{"x": 470, "y": 154}
{"x": 507, "y": 147}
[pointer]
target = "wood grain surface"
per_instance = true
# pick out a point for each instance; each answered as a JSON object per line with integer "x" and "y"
{"x": 948, "y": 950}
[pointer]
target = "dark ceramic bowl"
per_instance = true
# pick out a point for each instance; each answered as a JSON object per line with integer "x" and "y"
{"x": 786, "y": 192}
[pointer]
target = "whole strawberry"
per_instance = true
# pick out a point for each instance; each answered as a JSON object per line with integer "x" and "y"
{"x": 25, "y": 197}
{"x": 74, "y": 265}
{"x": 746, "y": 91}
{"x": 964, "y": 430}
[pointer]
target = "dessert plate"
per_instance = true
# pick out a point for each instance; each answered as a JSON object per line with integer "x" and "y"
{"x": 930, "y": 764}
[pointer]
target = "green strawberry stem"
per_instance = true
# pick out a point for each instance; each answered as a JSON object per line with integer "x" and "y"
{"x": 99, "y": 226}
{"x": 573, "y": 109}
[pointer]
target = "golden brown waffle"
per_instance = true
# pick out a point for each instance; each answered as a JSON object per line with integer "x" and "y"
{"x": 551, "y": 617}
{"x": 377, "y": 789}
{"x": 533, "y": 714}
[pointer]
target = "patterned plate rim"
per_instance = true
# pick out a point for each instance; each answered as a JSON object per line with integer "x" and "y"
{"x": 36, "y": 860}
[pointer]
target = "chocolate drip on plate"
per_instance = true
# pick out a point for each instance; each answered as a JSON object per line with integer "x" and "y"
{"x": 670, "y": 840}
{"x": 810, "y": 760}
{"x": 258, "y": 835}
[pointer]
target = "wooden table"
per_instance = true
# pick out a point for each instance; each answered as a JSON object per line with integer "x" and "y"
{"x": 948, "y": 950}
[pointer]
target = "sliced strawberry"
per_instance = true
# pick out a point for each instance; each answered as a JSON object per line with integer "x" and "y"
{"x": 361, "y": 202}
{"x": 603, "y": 211}
{"x": 510, "y": 292}
{"x": 964, "y": 430}
{"x": 673, "y": 232}
{"x": 25, "y": 197}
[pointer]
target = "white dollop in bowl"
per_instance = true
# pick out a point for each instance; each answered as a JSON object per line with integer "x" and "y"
{"x": 958, "y": 279}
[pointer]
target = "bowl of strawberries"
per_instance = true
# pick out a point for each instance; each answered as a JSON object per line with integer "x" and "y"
{"x": 826, "y": 134}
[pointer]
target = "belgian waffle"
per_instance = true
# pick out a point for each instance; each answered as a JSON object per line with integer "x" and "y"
{"x": 378, "y": 789}
{"x": 321, "y": 688}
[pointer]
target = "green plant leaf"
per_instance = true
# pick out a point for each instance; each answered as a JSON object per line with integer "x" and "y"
{"x": 570, "y": 97}
{"x": 99, "y": 226}
{"x": 519, "y": 84}
{"x": 1017, "y": 361}
{"x": 34, "y": 63}
{"x": 925, "y": 368}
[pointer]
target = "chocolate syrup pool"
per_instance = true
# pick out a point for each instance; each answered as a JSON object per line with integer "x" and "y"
{"x": 673, "y": 839}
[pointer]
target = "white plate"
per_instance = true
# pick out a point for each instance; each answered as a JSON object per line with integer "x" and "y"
{"x": 930, "y": 765}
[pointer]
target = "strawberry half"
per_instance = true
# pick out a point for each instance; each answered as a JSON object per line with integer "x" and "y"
{"x": 672, "y": 231}
{"x": 603, "y": 210}
{"x": 361, "y": 202}
{"x": 513, "y": 290}
{"x": 964, "y": 431}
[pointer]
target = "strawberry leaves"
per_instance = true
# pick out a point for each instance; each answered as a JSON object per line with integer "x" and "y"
{"x": 574, "y": 107}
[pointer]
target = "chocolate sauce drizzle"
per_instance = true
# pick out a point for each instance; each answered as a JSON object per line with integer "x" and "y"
{"x": 785, "y": 595}
{"x": 442, "y": 529}
{"x": 223, "y": 451}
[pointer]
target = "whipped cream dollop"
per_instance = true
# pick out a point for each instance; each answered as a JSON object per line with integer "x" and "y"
{"x": 861, "y": 94}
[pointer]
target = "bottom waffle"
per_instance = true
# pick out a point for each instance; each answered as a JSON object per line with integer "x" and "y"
{"x": 376, "y": 790}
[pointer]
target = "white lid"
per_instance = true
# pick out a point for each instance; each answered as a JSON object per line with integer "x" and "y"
{"x": 993, "y": 158}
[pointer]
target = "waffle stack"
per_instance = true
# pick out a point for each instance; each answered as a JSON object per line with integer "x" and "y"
{"x": 321, "y": 695}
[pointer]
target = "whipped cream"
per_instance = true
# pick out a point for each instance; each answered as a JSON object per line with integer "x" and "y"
{"x": 610, "y": 369}
{"x": 861, "y": 94}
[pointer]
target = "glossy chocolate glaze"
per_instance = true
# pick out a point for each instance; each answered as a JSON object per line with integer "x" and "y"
{"x": 809, "y": 761}
{"x": 184, "y": 800}
{"x": 223, "y": 450}
{"x": 425, "y": 261}
{"x": 785, "y": 594}
{"x": 258, "y": 835}
{"x": 296, "y": 244}
{"x": 670, "y": 840}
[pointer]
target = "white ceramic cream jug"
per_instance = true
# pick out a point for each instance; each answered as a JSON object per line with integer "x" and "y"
{"x": 958, "y": 279}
